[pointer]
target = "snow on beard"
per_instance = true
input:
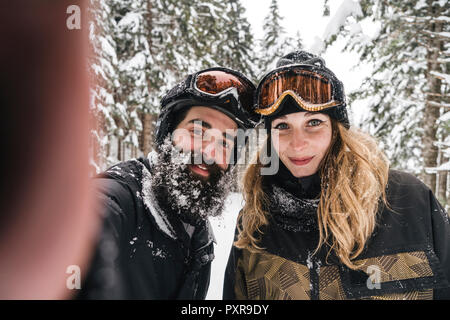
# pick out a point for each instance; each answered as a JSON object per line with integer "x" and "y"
{"x": 192, "y": 197}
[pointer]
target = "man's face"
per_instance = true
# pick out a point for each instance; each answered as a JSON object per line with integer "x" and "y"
{"x": 207, "y": 132}
{"x": 194, "y": 188}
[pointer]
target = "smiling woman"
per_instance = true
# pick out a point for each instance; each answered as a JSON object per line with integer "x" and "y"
{"x": 301, "y": 140}
{"x": 334, "y": 213}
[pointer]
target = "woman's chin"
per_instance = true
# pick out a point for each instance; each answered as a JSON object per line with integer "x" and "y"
{"x": 302, "y": 172}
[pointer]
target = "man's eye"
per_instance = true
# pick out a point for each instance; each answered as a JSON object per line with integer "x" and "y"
{"x": 315, "y": 122}
{"x": 197, "y": 132}
{"x": 281, "y": 126}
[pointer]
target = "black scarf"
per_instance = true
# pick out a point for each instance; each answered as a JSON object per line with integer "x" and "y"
{"x": 293, "y": 201}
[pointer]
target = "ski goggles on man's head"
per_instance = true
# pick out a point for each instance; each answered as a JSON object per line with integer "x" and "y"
{"x": 313, "y": 88}
{"x": 222, "y": 82}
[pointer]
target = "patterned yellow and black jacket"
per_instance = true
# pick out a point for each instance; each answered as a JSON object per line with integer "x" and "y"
{"x": 407, "y": 257}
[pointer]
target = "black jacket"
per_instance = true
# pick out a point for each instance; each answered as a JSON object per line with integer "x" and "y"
{"x": 142, "y": 252}
{"x": 407, "y": 257}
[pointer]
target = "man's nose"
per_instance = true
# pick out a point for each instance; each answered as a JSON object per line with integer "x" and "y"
{"x": 209, "y": 152}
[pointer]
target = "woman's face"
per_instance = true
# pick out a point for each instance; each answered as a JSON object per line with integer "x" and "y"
{"x": 301, "y": 140}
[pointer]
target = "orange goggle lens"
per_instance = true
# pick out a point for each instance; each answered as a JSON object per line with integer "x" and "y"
{"x": 216, "y": 81}
{"x": 312, "y": 91}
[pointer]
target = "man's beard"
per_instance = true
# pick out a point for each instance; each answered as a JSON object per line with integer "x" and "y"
{"x": 191, "y": 197}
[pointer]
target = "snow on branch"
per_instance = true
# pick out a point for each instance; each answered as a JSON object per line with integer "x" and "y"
{"x": 443, "y": 167}
{"x": 438, "y": 105}
{"x": 441, "y": 35}
{"x": 348, "y": 8}
{"x": 443, "y": 76}
{"x": 427, "y": 19}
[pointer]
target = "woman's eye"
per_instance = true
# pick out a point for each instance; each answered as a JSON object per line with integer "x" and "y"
{"x": 314, "y": 122}
{"x": 281, "y": 126}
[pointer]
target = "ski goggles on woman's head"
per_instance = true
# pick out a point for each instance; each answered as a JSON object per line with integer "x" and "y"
{"x": 222, "y": 82}
{"x": 313, "y": 88}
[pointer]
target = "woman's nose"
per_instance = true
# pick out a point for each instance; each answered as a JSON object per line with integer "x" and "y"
{"x": 298, "y": 140}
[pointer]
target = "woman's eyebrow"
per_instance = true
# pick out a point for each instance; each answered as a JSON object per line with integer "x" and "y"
{"x": 309, "y": 114}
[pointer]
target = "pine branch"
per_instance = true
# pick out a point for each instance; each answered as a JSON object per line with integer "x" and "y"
{"x": 425, "y": 19}
{"x": 434, "y": 35}
{"x": 445, "y": 95}
{"x": 438, "y": 61}
{"x": 438, "y": 105}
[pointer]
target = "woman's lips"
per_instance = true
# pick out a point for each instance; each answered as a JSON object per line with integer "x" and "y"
{"x": 301, "y": 161}
{"x": 200, "y": 169}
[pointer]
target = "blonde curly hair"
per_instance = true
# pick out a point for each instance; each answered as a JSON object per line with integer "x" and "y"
{"x": 354, "y": 176}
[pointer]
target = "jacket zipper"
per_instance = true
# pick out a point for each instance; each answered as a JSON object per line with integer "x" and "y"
{"x": 314, "y": 268}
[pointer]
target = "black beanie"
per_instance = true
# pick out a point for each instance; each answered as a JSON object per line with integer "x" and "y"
{"x": 289, "y": 105}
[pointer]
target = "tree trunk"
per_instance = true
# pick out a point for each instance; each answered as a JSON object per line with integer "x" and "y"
{"x": 443, "y": 182}
{"x": 146, "y": 137}
{"x": 108, "y": 148}
{"x": 431, "y": 113}
{"x": 119, "y": 149}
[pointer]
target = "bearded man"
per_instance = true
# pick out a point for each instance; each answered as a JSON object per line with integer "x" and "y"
{"x": 157, "y": 242}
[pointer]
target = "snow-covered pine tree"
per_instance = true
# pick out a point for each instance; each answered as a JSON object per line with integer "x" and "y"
{"x": 104, "y": 68}
{"x": 158, "y": 27}
{"x": 297, "y": 41}
{"x": 195, "y": 34}
{"x": 236, "y": 49}
{"x": 403, "y": 92}
{"x": 114, "y": 97}
{"x": 273, "y": 44}
{"x": 144, "y": 48}
{"x": 184, "y": 38}
{"x": 178, "y": 39}
{"x": 135, "y": 61}
{"x": 128, "y": 44}
{"x": 209, "y": 23}
{"x": 434, "y": 31}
